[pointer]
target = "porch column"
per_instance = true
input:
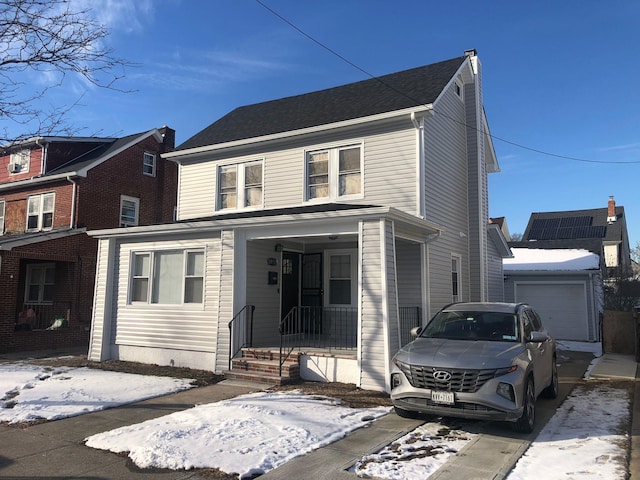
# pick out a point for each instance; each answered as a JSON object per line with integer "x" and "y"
{"x": 225, "y": 299}
{"x": 379, "y": 333}
{"x": 102, "y": 315}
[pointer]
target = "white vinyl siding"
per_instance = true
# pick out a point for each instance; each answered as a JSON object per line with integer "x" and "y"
{"x": 373, "y": 331}
{"x": 181, "y": 326}
{"x": 101, "y": 337}
{"x": 446, "y": 196}
{"x": 388, "y": 175}
{"x": 265, "y": 297}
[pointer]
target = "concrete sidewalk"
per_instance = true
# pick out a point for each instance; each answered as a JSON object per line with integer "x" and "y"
{"x": 55, "y": 450}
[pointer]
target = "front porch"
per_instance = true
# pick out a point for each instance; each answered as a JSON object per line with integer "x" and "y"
{"x": 316, "y": 343}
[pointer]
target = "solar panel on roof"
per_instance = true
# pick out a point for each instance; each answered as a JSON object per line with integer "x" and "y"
{"x": 565, "y": 228}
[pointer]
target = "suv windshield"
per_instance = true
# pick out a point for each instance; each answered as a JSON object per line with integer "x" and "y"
{"x": 502, "y": 327}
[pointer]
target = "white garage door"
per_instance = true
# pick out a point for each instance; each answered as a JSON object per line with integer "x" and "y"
{"x": 562, "y": 307}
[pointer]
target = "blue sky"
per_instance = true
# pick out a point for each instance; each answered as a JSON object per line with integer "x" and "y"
{"x": 559, "y": 77}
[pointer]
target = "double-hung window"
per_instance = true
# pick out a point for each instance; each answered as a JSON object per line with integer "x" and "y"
{"x": 129, "y": 211}
{"x": 40, "y": 212}
{"x": 240, "y": 185}
{"x": 341, "y": 277}
{"x": 334, "y": 173}
{"x": 149, "y": 164}
{"x": 40, "y": 283}
{"x": 2, "y": 207}
{"x": 167, "y": 277}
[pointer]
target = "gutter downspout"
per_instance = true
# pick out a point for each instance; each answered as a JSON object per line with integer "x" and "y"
{"x": 418, "y": 123}
{"x": 45, "y": 151}
{"x": 72, "y": 223}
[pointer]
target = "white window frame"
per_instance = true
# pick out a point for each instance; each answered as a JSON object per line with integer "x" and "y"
{"x": 22, "y": 158}
{"x": 458, "y": 88}
{"x": 333, "y": 173}
{"x": 151, "y": 277}
{"x": 241, "y": 186}
{"x": 149, "y": 163}
{"x": 41, "y": 285}
{"x": 136, "y": 202}
{"x": 2, "y": 211}
{"x": 456, "y": 269}
{"x": 353, "y": 255}
{"x": 41, "y": 212}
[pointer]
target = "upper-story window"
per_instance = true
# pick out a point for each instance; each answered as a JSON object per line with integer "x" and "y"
{"x": 2, "y": 206}
{"x": 333, "y": 173}
{"x": 240, "y": 185}
{"x": 40, "y": 212}
{"x": 129, "y": 211}
{"x": 19, "y": 162}
{"x": 149, "y": 164}
{"x": 458, "y": 88}
{"x": 455, "y": 279}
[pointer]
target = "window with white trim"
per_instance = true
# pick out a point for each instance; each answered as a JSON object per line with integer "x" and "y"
{"x": 167, "y": 277}
{"x": 341, "y": 277}
{"x": 129, "y": 211}
{"x": 40, "y": 212}
{"x": 149, "y": 164}
{"x": 40, "y": 283}
{"x": 455, "y": 279}
{"x": 2, "y": 208}
{"x": 334, "y": 173}
{"x": 240, "y": 185}
{"x": 19, "y": 161}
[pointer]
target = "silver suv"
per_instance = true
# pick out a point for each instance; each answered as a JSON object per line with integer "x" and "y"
{"x": 477, "y": 360}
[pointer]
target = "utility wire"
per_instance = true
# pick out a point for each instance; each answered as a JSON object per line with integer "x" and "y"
{"x": 349, "y": 62}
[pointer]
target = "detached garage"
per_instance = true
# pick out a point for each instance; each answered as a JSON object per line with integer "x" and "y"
{"x": 564, "y": 286}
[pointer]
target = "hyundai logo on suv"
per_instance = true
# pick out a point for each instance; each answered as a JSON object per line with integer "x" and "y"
{"x": 442, "y": 376}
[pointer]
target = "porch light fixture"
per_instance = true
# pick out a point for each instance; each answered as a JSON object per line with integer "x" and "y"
{"x": 278, "y": 247}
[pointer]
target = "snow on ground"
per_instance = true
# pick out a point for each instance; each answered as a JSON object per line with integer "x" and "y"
{"x": 583, "y": 440}
{"x": 32, "y": 392}
{"x": 256, "y": 433}
{"x": 245, "y": 435}
{"x": 416, "y": 455}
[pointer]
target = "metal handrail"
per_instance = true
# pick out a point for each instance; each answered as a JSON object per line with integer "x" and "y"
{"x": 241, "y": 314}
{"x": 289, "y": 319}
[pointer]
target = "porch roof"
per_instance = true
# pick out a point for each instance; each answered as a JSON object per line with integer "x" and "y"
{"x": 9, "y": 242}
{"x": 270, "y": 217}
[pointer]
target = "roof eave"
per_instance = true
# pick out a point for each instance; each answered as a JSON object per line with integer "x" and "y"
{"x": 39, "y": 180}
{"x": 176, "y": 154}
{"x": 258, "y": 221}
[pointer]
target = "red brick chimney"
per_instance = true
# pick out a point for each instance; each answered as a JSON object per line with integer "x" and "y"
{"x": 611, "y": 210}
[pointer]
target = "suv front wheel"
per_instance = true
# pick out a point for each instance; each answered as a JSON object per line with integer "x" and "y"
{"x": 526, "y": 422}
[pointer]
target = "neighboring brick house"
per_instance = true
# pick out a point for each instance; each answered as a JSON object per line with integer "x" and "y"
{"x": 52, "y": 190}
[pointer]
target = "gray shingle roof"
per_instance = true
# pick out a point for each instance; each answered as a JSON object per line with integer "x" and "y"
{"x": 585, "y": 229}
{"x": 396, "y": 91}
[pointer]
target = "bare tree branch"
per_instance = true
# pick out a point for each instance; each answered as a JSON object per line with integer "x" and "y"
{"x": 49, "y": 39}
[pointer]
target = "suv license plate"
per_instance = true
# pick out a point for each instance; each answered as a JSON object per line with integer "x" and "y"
{"x": 443, "y": 397}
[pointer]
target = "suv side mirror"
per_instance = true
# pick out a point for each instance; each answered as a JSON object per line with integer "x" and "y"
{"x": 415, "y": 331}
{"x": 537, "y": 337}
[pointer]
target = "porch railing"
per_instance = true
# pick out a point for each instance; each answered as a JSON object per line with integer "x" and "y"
{"x": 241, "y": 331}
{"x": 334, "y": 328}
{"x": 46, "y": 316}
{"x": 410, "y": 317}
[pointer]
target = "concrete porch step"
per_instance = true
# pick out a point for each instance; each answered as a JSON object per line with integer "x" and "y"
{"x": 268, "y": 354}
{"x": 260, "y": 377}
{"x": 265, "y": 366}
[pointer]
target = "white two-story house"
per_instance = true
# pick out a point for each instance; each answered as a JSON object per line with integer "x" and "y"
{"x": 327, "y": 224}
